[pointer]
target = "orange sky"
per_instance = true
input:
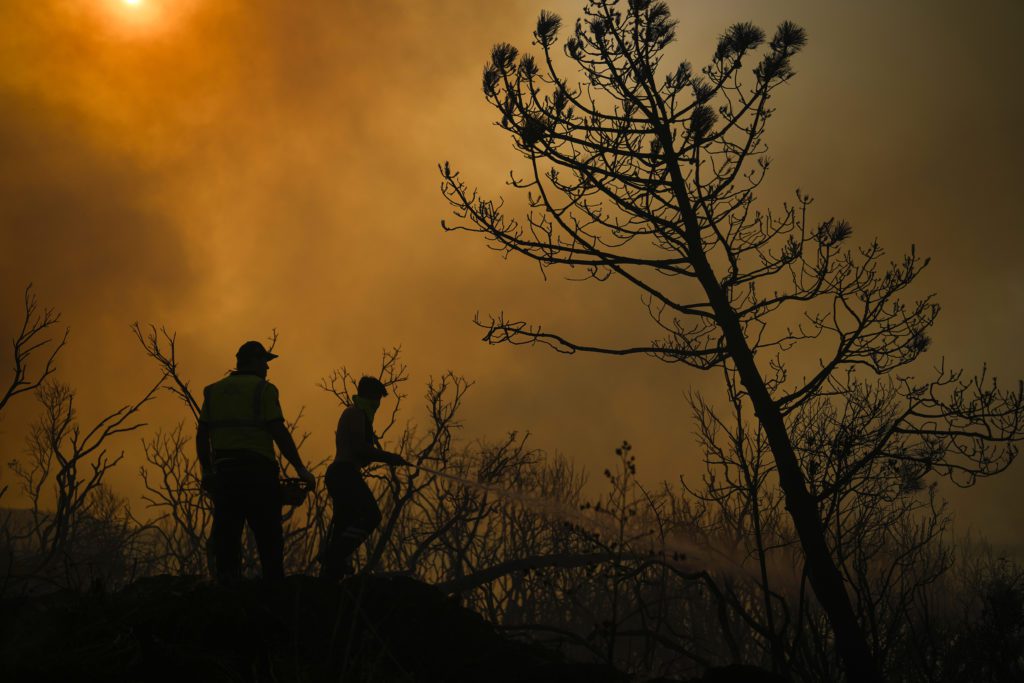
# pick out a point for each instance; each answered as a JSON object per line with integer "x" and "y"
{"x": 226, "y": 167}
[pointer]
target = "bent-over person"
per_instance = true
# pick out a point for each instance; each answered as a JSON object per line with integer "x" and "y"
{"x": 356, "y": 514}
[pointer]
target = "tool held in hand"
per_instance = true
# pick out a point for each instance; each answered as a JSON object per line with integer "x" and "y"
{"x": 294, "y": 491}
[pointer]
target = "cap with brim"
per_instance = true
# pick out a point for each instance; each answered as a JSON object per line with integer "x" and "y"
{"x": 252, "y": 351}
{"x": 371, "y": 386}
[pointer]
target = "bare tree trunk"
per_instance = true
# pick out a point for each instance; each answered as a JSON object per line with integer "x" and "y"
{"x": 823, "y": 573}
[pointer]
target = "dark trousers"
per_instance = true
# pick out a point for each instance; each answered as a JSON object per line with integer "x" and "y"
{"x": 247, "y": 492}
{"x": 356, "y": 515}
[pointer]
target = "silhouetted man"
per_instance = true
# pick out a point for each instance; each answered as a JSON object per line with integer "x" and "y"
{"x": 239, "y": 424}
{"x": 356, "y": 513}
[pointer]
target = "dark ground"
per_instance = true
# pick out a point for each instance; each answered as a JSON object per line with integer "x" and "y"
{"x": 184, "y": 629}
{"x": 366, "y": 629}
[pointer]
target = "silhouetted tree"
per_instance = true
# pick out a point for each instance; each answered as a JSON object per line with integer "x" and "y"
{"x": 36, "y": 336}
{"x": 180, "y": 514}
{"x": 888, "y": 530}
{"x": 648, "y": 174}
{"x": 984, "y": 641}
{"x": 33, "y": 337}
{"x": 62, "y": 477}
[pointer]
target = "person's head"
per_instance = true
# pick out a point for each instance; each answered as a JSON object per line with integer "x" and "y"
{"x": 371, "y": 389}
{"x": 253, "y": 358}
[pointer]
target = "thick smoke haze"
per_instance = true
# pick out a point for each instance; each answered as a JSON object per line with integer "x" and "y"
{"x": 227, "y": 168}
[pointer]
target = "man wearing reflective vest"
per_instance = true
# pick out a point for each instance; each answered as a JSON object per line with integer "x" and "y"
{"x": 356, "y": 514}
{"x": 239, "y": 424}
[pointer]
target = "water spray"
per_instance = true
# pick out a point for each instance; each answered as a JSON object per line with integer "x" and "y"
{"x": 684, "y": 554}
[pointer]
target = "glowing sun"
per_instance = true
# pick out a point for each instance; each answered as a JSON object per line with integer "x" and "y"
{"x": 141, "y": 18}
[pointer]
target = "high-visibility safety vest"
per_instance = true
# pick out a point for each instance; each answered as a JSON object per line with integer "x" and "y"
{"x": 237, "y": 409}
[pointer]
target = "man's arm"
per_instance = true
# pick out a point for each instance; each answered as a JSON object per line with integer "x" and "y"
{"x": 283, "y": 438}
{"x": 203, "y": 447}
{"x": 274, "y": 421}
{"x": 204, "y": 453}
{"x": 352, "y": 429}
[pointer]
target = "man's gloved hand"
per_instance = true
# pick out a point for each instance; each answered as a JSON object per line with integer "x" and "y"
{"x": 308, "y": 477}
{"x": 395, "y": 460}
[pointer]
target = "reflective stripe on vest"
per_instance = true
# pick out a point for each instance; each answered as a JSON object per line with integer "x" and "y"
{"x": 257, "y": 409}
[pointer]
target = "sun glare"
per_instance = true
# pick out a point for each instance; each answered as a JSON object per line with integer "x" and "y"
{"x": 140, "y": 19}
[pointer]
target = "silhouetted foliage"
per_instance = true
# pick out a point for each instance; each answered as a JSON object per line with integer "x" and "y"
{"x": 648, "y": 173}
{"x": 75, "y": 529}
{"x": 676, "y": 581}
{"x": 36, "y": 336}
